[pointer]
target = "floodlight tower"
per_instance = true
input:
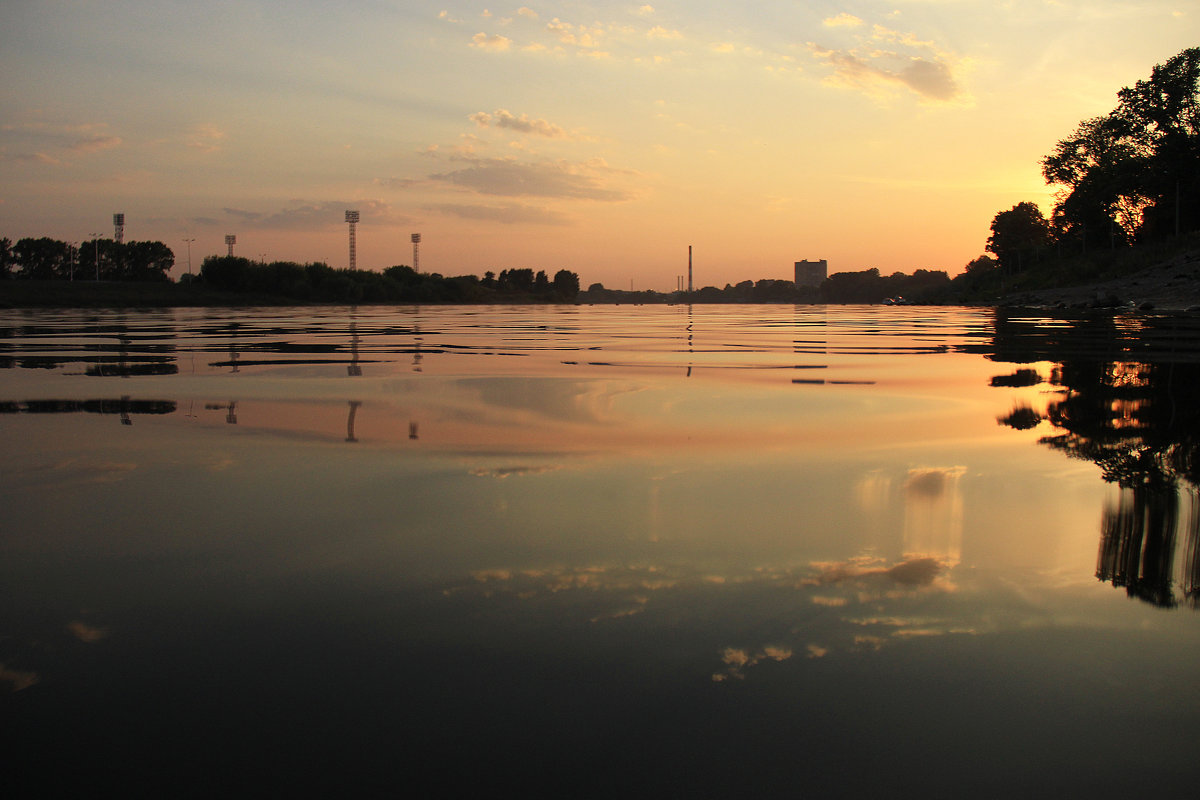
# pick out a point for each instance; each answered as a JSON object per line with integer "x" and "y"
{"x": 416, "y": 240}
{"x": 118, "y": 228}
{"x": 352, "y": 220}
{"x": 189, "y": 253}
{"x": 230, "y": 241}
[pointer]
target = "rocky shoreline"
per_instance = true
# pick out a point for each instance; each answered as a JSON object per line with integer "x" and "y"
{"x": 1172, "y": 286}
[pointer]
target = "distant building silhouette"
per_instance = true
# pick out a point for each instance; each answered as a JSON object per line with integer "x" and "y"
{"x": 811, "y": 273}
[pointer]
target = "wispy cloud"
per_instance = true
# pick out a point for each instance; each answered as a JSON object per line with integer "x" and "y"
{"x": 884, "y": 59}
{"x": 53, "y": 143}
{"x": 206, "y": 138}
{"x": 507, "y": 214}
{"x": 93, "y": 144}
{"x": 503, "y": 118}
{"x": 305, "y": 215}
{"x": 509, "y": 177}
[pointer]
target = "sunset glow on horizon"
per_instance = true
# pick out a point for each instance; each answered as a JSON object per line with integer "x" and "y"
{"x": 599, "y": 137}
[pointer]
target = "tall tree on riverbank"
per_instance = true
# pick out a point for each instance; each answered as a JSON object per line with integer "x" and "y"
{"x": 1162, "y": 115}
{"x": 1133, "y": 174}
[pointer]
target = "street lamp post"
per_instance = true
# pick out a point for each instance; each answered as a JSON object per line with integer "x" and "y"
{"x": 96, "y": 245}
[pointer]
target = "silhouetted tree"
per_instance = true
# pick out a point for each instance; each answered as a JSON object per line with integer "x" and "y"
{"x": 1017, "y": 235}
{"x": 566, "y": 285}
{"x": 148, "y": 261}
{"x": 1135, "y": 170}
{"x": 1162, "y": 119}
{"x": 42, "y": 259}
{"x": 5, "y": 258}
{"x": 225, "y": 272}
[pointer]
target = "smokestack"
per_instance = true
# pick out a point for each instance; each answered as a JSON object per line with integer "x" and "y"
{"x": 689, "y": 268}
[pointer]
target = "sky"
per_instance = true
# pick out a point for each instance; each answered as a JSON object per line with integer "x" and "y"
{"x": 601, "y": 137}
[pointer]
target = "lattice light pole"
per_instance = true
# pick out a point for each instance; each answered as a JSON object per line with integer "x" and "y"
{"x": 416, "y": 240}
{"x": 118, "y": 228}
{"x": 352, "y": 220}
{"x": 230, "y": 241}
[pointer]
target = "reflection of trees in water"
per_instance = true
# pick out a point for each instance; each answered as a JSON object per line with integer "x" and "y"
{"x": 1137, "y": 544}
{"x": 1127, "y": 404}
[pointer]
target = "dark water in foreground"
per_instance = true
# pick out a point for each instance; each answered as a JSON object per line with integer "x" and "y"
{"x": 721, "y": 551}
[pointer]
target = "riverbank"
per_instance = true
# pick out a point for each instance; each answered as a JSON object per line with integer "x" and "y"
{"x": 1171, "y": 285}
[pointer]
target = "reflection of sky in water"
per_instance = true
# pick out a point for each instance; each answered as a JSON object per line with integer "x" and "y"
{"x": 696, "y": 542}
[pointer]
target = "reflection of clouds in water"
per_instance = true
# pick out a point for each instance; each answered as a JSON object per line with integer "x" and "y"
{"x": 75, "y": 471}
{"x": 933, "y": 513}
{"x": 530, "y": 583}
{"x": 825, "y": 608}
{"x": 568, "y": 400}
{"x": 16, "y": 678}
{"x": 873, "y": 492}
{"x": 923, "y": 571}
{"x": 514, "y": 471}
{"x": 86, "y": 633}
{"x": 737, "y": 660}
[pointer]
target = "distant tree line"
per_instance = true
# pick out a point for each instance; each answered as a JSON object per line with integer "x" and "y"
{"x": 1129, "y": 177}
{"x": 45, "y": 259}
{"x": 866, "y": 286}
{"x": 48, "y": 259}
{"x": 318, "y": 282}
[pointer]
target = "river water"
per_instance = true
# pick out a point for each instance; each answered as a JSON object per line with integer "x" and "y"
{"x": 600, "y": 551}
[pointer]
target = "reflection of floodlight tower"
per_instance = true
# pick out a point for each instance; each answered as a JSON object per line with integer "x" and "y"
{"x": 352, "y": 219}
{"x": 350, "y": 437}
{"x": 230, "y": 241}
{"x": 416, "y": 240}
{"x": 118, "y": 228}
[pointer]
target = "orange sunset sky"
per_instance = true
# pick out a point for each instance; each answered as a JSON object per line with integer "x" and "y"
{"x": 601, "y": 137}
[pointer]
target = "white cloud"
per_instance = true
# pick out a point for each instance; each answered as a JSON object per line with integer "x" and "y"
{"x": 842, "y": 20}
{"x": 659, "y": 32}
{"x": 494, "y": 43}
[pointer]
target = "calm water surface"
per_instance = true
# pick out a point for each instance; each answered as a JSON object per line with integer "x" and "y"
{"x": 614, "y": 551}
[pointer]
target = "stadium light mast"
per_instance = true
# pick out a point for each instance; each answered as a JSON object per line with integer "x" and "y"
{"x": 118, "y": 228}
{"x": 352, "y": 220}
{"x": 189, "y": 251}
{"x": 230, "y": 241}
{"x": 416, "y": 242}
